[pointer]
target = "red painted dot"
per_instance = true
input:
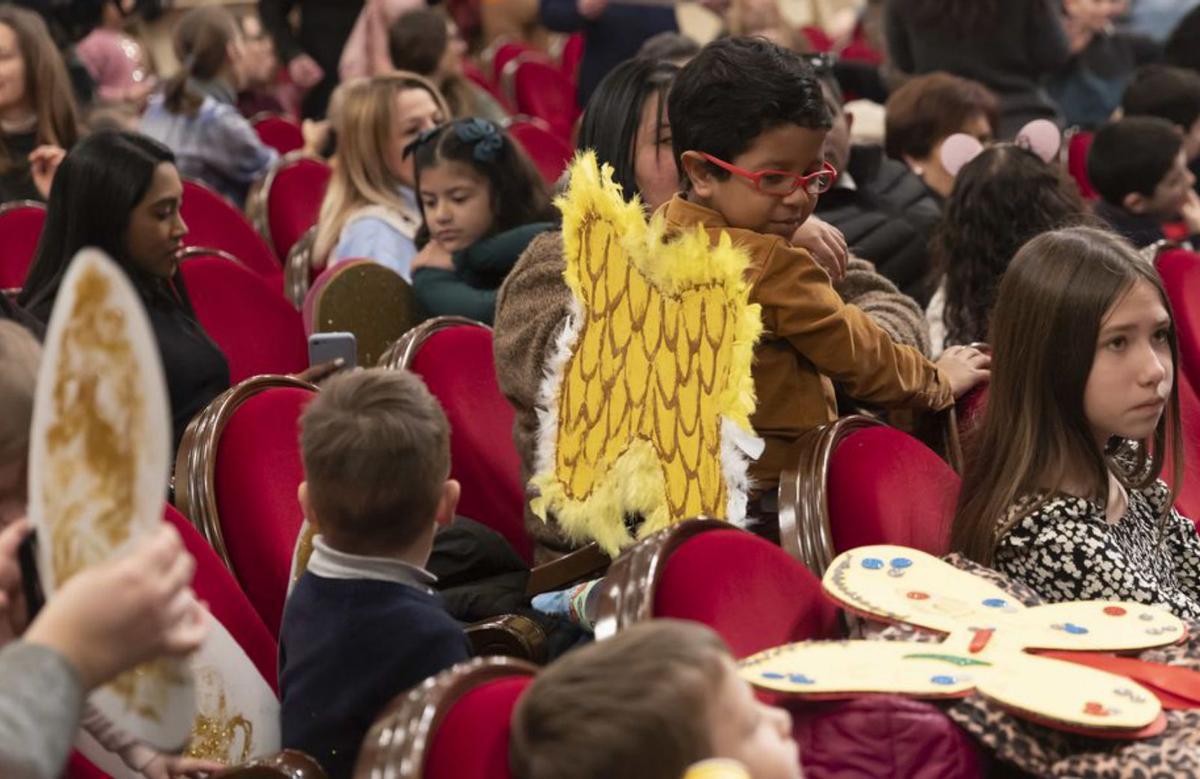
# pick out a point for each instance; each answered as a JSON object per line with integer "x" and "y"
{"x": 917, "y": 595}
{"x": 1095, "y": 709}
{"x": 1114, "y": 611}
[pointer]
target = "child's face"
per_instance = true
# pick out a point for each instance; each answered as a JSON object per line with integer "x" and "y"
{"x": 788, "y": 148}
{"x": 1172, "y": 192}
{"x": 458, "y": 204}
{"x": 1132, "y": 373}
{"x": 745, "y": 729}
{"x": 653, "y": 161}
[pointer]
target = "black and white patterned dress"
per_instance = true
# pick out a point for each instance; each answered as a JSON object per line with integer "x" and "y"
{"x": 1067, "y": 550}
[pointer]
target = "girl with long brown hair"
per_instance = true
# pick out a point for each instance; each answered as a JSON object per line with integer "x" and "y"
{"x": 37, "y": 112}
{"x": 1062, "y": 487}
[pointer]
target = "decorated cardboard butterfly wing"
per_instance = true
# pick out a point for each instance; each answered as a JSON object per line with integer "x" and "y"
{"x": 649, "y": 389}
{"x": 99, "y": 454}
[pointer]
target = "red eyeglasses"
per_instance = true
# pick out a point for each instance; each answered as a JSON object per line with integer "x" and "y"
{"x": 780, "y": 182}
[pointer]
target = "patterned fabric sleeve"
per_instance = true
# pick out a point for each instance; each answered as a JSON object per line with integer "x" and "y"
{"x": 1070, "y": 558}
{"x": 1184, "y": 545}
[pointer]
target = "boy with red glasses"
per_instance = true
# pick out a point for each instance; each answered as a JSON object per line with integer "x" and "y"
{"x": 748, "y": 122}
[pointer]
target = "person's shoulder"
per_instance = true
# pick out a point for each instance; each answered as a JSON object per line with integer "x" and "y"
{"x": 1038, "y": 517}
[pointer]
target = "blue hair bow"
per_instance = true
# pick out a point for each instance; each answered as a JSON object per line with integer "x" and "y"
{"x": 483, "y": 135}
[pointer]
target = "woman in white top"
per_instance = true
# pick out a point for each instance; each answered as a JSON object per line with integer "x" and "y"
{"x": 370, "y": 209}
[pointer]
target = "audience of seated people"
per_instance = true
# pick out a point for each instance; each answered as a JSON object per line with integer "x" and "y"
{"x": 865, "y": 261}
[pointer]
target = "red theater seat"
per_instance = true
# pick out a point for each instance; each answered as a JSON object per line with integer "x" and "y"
{"x": 290, "y": 200}
{"x": 365, "y": 298}
{"x": 236, "y": 476}
{"x": 280, "y": 133}
{"x": 571, "y": 55}
{"x": 256, "y": 328}
{"x": 454, "y": 726}
{"x": 860, "y": 482}
{"x": 454, "y": 357}
{"x": 20, "y": 229}
{"x": 550, "y": 153}
{"x": 1078, "y": 146}
{"x": 540, "y": 89}
{"x": 213, "y": 221}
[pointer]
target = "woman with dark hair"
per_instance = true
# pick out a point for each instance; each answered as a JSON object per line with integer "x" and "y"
{"x": 1001, "y": 199}
{"x": 1006, "y": 45}
{"x": 37, "y": 112}
{"x": 121, "y": 192}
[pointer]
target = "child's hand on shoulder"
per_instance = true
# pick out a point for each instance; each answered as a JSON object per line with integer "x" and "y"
{"x": 826, "y": 244}
{"x": 433, "y": 256}
{"x": 965, "y": 367}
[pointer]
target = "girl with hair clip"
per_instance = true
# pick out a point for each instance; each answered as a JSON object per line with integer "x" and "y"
{"x": 1062, "y": 487}
{"x": 120, "y": 192}
{"x": 1002, "y": 197}
{"x": 37, "y": 112}
{"x": 483, "y": 201}
{"x": 196, "y": 114}
{"x": 370, "y": 208}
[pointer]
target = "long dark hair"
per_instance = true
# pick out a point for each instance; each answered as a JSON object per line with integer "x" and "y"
{"x": 95, "y": 190}
{"x": 614, "y": 111}
{"x": 519, "y": 195}
{"x": 961, "y": 16}
{"x": 1001, "y": 199}
{"x": 1048, "y": 314}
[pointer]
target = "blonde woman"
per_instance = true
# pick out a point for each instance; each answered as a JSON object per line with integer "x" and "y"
{"x": 370, "y": 209}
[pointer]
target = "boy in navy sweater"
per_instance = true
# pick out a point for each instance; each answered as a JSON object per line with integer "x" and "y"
{"x": 363, "y": 624}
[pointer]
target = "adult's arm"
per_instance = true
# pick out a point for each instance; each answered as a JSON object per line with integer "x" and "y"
{"x": 896, "y": 313}
{"x": 274, "y": 15}
{"x": 41, "y": 698}
{"x": 443, "y": 293}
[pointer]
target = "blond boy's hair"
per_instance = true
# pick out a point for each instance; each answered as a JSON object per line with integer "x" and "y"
{"x": 376, "y": 451}
{"x": 636, "y": 706}
{"x": 20, "y": 354}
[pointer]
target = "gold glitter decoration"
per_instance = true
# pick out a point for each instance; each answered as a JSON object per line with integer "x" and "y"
{"x": 145, "y": 689}
{"x": 215, "y": 734}
{"x": 304, "y": 550}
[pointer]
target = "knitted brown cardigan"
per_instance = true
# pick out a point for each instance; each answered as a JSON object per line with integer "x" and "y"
{"x": 530, "y": 312}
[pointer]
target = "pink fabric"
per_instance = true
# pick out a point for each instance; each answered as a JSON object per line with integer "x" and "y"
{"x": 115, "y": 61}
{"x": 886, "y": 487}
{"x": 458, "y": 367}
{"x": 542, "y": 90}
{"x": 280, "y": 133}
{"x": 294, "y": 201}
{"x": 20, "y": 229}
{"x": 256, "y": 328}
{"x": 257, "y": 473}
{"x": 883, "y": 735}
{"x": 213, "y": 221}
{"x": 215, "y": 585}
{"x": 366, "y": 50}
{"x": 550, "y": 153}
{"x": 747, "y": 589}
{"x": 472, "y": 741}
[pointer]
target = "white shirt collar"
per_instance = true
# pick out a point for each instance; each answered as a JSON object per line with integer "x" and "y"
{"x": 333, "y": 564}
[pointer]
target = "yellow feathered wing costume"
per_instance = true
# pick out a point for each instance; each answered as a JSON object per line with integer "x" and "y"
{"x": 648, "y": 392}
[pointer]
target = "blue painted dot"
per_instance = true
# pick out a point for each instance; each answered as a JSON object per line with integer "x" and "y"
{"x": 943, "y": 680}
{"x": 995, "y": 603}
{"x": 901, "y": 562}
{"x": 1074, "y": 629}
{"x": 772, "y": 675}
{"x": 800, "y": 679}
{"x": 872, "y": 563}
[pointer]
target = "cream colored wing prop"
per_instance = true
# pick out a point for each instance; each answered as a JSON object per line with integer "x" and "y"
{"x": 985, "y": 648}
{"x": 99, "y": 458}
{"x": 648, "y": 392}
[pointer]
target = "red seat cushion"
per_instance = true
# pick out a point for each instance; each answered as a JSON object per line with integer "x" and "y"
{"x": 1077, "y": 153}
{"x": 458, "y": 367}
{"x": 507, "y": 52}
{"x": 549, "y": 153}
{"x": 886, "y": 487}
{"x": 215, "y": 585}
{"x": 20, "y": 229}
{"x": 280, "y": 133}
{"x": 572, "y": 55}
{"x": 256, "y": 328}
{"x": 541, "y": 90}
{"x": 472, "y": 741}
{"x": 213, "y": 221}
{"x": 258, "y": 470}
{"x": 747, "y": 589}
{"x": 1187, "y": 498}
{"x": 1180, "y": 272}
{"x": 294, "y": 200}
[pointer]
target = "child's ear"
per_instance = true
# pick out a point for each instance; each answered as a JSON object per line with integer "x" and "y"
{"x": 1135, "y": 203}
{"x": 451, "y": 490}
{"x": 698, "y": 171}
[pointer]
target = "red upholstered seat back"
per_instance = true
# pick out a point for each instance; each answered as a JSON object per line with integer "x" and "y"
{"x": 507, "y": 52}
{"x": 1187, "y": 498}
{"x": 540, "y": 89}
{"x": 886, "y": 487}
{"x": 472, "y": 741}
{"x": 297, "y": 188}
{"x": 213, "y": 221}
{"x": 476, "y": 76}
{"x": 258, "y": 470}
{"x": 1077, "y": 153}
{"x": 549, "y": 153}
{"x": 747, "y": 589}
{"x": 572, "y": 55}
{"x": 215, "y": 585}
{"x": 256, "y": 328}
{"x": 280, "y": 133}
{"x": 20, "y": 229}
{"x": 1180, "y": 272}
{"x": 457, "y": 366}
